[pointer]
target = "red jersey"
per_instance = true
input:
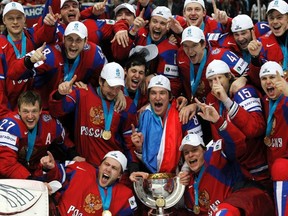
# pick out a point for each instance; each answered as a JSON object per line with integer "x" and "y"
{"x": 237, "y": 66}
{"x": 85, "y": 199}
{"x": 279, "y": 135}
{"x": 247, "y": 116}
{"x": 14, "y": 143}
{"x": 47, "y": 75}
{"x": 90, "y": 124}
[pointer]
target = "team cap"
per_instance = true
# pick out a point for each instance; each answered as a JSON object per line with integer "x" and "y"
{"x": 162, "y": 11}
{"x": 13, "y": 6}
{"x": 278, "y": 5}
{"x": 270, "y": 68}
{"x": 192, "y": 33}
{"x": 241, "y": 22}
{"x": 160, "y": 81}
{"x": 63, "y": 1}
{"x": 191, "y": 139}
{"x": 126, "y": 6}
{"x": 119, "y": 156}
{"x": 76, "y": 27}
{"x": 217, "y": 67}
{"x": 150, "y": 51}
{"x": 113, "y": 73}
{"x": 201, "y": 2}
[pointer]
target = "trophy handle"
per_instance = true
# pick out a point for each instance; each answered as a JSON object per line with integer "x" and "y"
{"x": 145, "y": 199}
{"x": 176, "y": 195}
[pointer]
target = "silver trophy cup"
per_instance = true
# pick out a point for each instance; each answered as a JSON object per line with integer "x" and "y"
{"x": 160, "y": 191}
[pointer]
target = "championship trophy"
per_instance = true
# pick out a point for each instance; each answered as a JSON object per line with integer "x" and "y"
{"x": 159, "y": 191}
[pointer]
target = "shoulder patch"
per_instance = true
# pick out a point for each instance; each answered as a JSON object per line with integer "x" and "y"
{"x": 217, "y": 145}
{"x": 215, "y": 51}
{"x": 87, "y": 46}
{"x": 46, "y": 117}
{"x": 132, "y": 202}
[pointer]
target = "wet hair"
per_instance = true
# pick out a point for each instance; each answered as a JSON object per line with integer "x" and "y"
{"x": 29, "y": 97}
{"x": 136, "y": 59}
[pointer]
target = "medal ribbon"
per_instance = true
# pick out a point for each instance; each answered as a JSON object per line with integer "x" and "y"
{"x": 23, "y": 46}
{"x": 136, "y": 98}
{"x": 195, "y": 83}
{"x": 246, "y": 56}
{"x": 106, "y": 199}
{"x": 107, "y": 115}
{"x": 196, "y": 185}
{"x": 68, "y": 74}
{"x": 285, "y": 54}
{"x": 202, "y": 27}
{"x": 31, "y": 142}
{"x": 272, "y": 108}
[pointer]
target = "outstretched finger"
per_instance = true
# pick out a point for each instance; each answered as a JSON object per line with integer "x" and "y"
{"x": 253, "y": 35}
{"x": 215, "y": 9}
{"x": 133, "y": 128}
{"x": 51, "y": 158}
{"x": 278, "y": 76}
{"x": 51, "y": 11}
{"x": 42, "y": 47}
{"x": 74, "y": 78}
{"x": 142, "y": 13}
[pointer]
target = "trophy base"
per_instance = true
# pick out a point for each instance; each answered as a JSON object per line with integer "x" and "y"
{"x": 154, "y": 212}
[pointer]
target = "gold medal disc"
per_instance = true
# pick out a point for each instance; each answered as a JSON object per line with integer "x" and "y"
{"x": 106, "y": 213}
{"x": 196, "y": 209}
{"x": 267, "y": 141}
{"x": 106, "y": 135}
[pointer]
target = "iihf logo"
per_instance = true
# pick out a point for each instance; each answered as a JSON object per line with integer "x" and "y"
{"x": 159, "y": 83}
{"x": 237, "y": 27}
{"x": 76, "y": 26}
{"x": 189, "y": 33}
{"x": 265, "y": 71}
{"x": 114, "y": 155}
{"x": 117, "y": 72}
{"x": 160, "y": 13}
{"x": 13, "y": 4}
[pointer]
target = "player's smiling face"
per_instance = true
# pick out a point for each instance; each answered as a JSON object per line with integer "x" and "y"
{"x": 159, "y": 99}
{"x": 134, "y": 77}
{"x": 194, "y": 14}
{"x": 194, "y": 51}
{"x": 109, "y": 172}
{"x": 243, "y": 38}
{"x": 70, "y": 12}
{"x": 157, "y": 27}
{"x": 30, "y": 114}
{"x": 194, "y": 157}
{"x": 14, "y": 21}
{"x": 74, "y": 45}
{"x": 267, "y": 83}
{"x": 278, "y": 22}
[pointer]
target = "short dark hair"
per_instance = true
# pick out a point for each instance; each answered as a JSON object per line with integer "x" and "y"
{"x": 29, "y": 97}
{"x": 136, "y": 59}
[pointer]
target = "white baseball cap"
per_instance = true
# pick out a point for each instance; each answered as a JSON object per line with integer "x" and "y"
{"x": 217, "y": 67}
{"x": 126, "y": 6}
{"x": 192, "y": 33}
{"x": 162, "y": 11}
{"x": 270, "y": 68}
{"x": 76, "y": 27}
{"x": 191, "y": 139}
{"x": 278, "y": 5}
{"x": 241, "y": 22}
{"x": 160, "y": 81}
{"x": 201, "y": 2}
{"x": 113, "y": 73}
{"x": 13, "y": 6}
{"x": 119, "y": 156}
{"x": 150, "y": 51}
{"x": 63, "y": 1}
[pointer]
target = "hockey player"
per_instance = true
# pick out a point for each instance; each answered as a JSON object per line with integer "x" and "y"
{"x": 99, "y": 194}
{"x": 26, "y": 136}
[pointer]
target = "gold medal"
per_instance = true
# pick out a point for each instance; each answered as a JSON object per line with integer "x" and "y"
{"x": 267, "y": 141}
{"x": 106, "y": 213}
{"x": 196, "y": 209}
{"x": 106, "y": 135}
